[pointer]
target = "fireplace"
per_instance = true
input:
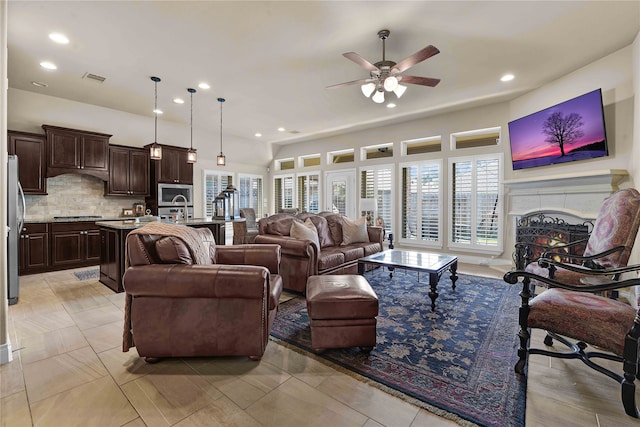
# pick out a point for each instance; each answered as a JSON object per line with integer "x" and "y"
{"x": 537, "y": 232}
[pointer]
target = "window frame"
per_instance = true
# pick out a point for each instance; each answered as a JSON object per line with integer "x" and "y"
{"x": 219, "y": 173}
{"x": 299, "y": 192}
{"x": 259, "y": 204}
{"x": 277, "y": 204}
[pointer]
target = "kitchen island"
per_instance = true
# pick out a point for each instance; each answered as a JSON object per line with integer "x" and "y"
{"x": 113, "y": 236}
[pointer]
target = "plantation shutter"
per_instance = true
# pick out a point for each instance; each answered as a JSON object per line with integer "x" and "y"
{"x": 487, "y": 185}
{"x": 409, "y": 202}
{"x": 214, "y": 183}
{"x": 303, "y": 200}
{"x": 377, "y": 183}
{"x": 277, "y": 193}
{"x": 250, "y": 189}
{"x": 461, "y": 210}
{"x": 430, "y": 209}
{"x": 421, "y": 202}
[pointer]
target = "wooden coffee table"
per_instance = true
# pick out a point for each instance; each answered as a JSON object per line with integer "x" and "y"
{"x": 425, "y": 262}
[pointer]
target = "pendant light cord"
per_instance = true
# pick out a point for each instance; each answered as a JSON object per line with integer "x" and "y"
{"x": 221, "y": 100}
{"x": 155, "y": 113}
{"x": 191, "y": 142}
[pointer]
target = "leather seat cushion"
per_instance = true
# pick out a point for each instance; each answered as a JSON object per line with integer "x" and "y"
{"x": 340, "y": 297}
{"x": 351, "y": 253}
{"x": 330, "y": 257}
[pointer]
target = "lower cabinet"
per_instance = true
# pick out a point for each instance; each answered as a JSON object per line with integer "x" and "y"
{"x": 34, "y": 248}
{"x": 74, "y": 245}
{"x": 112, "y": 247}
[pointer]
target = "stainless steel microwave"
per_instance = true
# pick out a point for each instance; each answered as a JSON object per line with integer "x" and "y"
{"x": 167, "y": 193}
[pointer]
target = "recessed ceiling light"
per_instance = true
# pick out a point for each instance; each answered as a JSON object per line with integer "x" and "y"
{"x": 157, "y": 111}
{"x": 204, "y": 86}
{"x": 59, "y": 38}
{"x": 258, "y": 134}
{"x": 507, "y": 78}
{"x": 391, "y": 105}
{"x": 281, "y": 129}
{"x": 48, "y": 65}
{"x": 178, "y": 100}
{"x": 39, "y": 84}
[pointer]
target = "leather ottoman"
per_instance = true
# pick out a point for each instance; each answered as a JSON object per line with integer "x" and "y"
{"x": 342, "y": 312}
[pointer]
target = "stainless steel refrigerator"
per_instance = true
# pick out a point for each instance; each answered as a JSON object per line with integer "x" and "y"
{"x": 15, "y": 221}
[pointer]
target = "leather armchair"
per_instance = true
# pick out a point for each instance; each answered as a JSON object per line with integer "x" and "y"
{"x": 245, "y": 231}
{"x": 177, "y": 307}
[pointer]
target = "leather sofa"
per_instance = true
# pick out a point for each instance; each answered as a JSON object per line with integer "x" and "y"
{"x": 178, "y": 307}
{"x": 302, "y": 258}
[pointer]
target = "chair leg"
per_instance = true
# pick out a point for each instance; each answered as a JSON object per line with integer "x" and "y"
{"x": 630, "y": 368}
{"x": 523, "y": 334}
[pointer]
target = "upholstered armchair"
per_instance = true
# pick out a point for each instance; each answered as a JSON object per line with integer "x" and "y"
{"x": 185, "y": 296}
{"x": 245, "y": 232}
{"x": 575, "y": 306}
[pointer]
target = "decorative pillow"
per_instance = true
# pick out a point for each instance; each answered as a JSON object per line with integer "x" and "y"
{"x": 354, "y": 231}
{"x": 280, "y": 227}
{"x": 305, "y": 231}
{"x": 172, "y": 250}
{"x": 322, "y": 226}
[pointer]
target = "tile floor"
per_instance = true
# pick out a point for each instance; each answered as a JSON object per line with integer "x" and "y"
{"x": 69, "y": 370}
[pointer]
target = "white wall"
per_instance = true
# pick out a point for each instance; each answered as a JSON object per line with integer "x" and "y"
{"x": 29, "y": 111}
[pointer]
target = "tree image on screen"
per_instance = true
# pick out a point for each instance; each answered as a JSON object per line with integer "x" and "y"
{"x": 563, "y": 130}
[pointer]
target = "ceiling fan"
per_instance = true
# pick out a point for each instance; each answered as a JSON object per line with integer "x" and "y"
{"x": 387, "y": 75}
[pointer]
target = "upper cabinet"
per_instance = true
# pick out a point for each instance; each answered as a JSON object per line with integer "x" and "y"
{"x": 128, "y": 171}
{"x": 31, "y": 151}
{"x": 173, "y": 167}
{"x": 77, "y": 151}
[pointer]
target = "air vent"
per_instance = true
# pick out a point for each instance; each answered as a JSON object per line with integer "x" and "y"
{"x": 294, "y": 132}
{"x": 94, "y": 77}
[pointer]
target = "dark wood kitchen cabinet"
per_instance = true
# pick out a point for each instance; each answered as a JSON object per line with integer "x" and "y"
{"x": 32, "y": 160}
{"x": 173, "y": 167}
{"x": 34, "y": 248}
{"x": 74, "y": 244}
{"x": 77, "y": 151}
{"x": 128, "y": 171}
{"x": 112, "y": 262}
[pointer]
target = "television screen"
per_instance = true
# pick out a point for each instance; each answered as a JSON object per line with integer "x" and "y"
{"x": 572, "y": 130}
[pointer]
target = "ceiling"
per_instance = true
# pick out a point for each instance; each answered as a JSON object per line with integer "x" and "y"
{"x": 272, "y": 61}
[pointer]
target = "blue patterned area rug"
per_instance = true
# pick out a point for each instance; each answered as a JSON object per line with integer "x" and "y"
{"x": 459, "y": 358}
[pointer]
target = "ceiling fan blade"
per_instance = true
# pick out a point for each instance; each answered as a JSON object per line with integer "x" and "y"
{"x": 424, "y": 81}
{"x": 354, "y": 82}
{"x": 412, "y": 60}
{"x": 361, "y": 61}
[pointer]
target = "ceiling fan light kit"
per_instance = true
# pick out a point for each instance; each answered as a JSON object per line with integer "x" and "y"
{"x": 387, "y": 75}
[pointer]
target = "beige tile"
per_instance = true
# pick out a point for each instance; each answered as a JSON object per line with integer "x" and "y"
{"x": 125, "y": 366}
{"x": 260, "y": 374}
{"x": 304, "y": 368}
{"x": 241, "y": 392}
{"x": 98, "y": 403}
{"x": 368, "y": 400}
{"x": 77, "y": 298}
{"x": 222, "y": 413}
{"x": 39, "y": 323}
{"x": 372, "y": 423}
{"x": 169, "y": 394}
{"x": 135, "y": 423}
{"x": 51, "y": 344}
{"x": 11, "y": 377}
{"x": 105, "y": 337}
{"x": 296, "y": 404}
{"x": 425, "y": 418}
{"x": 47, "y": 377}
{"x": 14, "y": 411}
{"x": 98, "y": 316}
{"x": 617, "y": 421}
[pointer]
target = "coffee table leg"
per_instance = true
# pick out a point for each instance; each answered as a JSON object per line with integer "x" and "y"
{"x": 361, "y": 268}
{"x": 454, "y": 275}
{"x": 433, "y": 294}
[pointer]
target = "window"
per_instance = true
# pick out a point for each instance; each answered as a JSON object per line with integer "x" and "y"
{"x": 342, "y": 156}
{"x": 422, "y": 203}
{"x": 310, "y": 160}
{"x": 377, "y": 183}
{"x": 377, "y": 151}
{"x": 285, "y": 164}
{"x": 250, "y": 193}
{"x": 475, "y": 138}
{"x": 283, "y": 192}
{"x": 214, "y": 183}
{"x": 308, "y": 192}
{"x": 421, "y": 146}
{"x": 476, "y": 210}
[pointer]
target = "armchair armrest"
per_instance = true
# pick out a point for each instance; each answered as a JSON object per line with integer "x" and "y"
{"x": 376, "y": 234}
{"x": 197, "y": 281}
{"x": 550, "y": 254}
{"x": 290, "y": 246}
{"x": 263, "y": 255}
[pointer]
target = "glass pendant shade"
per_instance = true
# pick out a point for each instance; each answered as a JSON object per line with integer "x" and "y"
{"x": 155, "y": 150}
{"x": 192, "y": 157}
{"x": 367, "y": 89}
{"x": 222, "y": 161}
{"x": 390, "y": 83}
{"x": 378, "y": 98}
{"x": 399, "y": 90}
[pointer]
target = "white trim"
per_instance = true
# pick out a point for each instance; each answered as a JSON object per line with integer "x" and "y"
{"x": 6, "y": 355}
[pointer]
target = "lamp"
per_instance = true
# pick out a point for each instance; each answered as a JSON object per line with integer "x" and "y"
{"x": 221, "y": 158}
{"x": 369, "y": 207}
{"x": 155, "y": 150}
{"x": 192, "y": 156}
{"x": 378, "y": 98}
{"x": 368, "y": 88}
{"x": 399, "y": 90}
{"x": 390, "y": 83}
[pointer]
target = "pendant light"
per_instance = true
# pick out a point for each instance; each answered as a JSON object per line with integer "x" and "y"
{"x": 222, "y": 161}
{"x": 155, "y": 150}
{"x": 192, "y": 156}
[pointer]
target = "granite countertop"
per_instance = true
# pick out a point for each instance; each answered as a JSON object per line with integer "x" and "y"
{"x": 130, "y": 224}
{"x": 78, "y": 218}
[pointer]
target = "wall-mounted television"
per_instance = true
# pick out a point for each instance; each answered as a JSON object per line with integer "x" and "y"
{"x": 569, "y": 131}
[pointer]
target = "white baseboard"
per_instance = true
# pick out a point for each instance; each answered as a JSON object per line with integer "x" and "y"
{"x": 5, "y": 353}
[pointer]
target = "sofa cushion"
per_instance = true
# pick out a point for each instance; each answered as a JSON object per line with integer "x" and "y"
{"x": 330, "y": 257}
{"x": 370, "y": 248}
{"x": 305, "y": 231}
{"x": 354, "y": 231}
{"x": 281, "y": 226}
{"x": 352, "y": 252}
{"x": 322, "y": 226}
{"x": 335, "y": 227}
{"x": 172, "y": 250}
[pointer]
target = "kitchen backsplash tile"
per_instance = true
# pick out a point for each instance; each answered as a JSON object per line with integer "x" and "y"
{"x": 71, "y": 195}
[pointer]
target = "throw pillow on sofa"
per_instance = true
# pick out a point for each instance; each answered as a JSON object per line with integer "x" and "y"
{"x": 354, "y": 231}
{"x": 305, "y": 231}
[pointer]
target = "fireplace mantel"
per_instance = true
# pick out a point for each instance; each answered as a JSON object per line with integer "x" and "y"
{"x": 577, "y": 194}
